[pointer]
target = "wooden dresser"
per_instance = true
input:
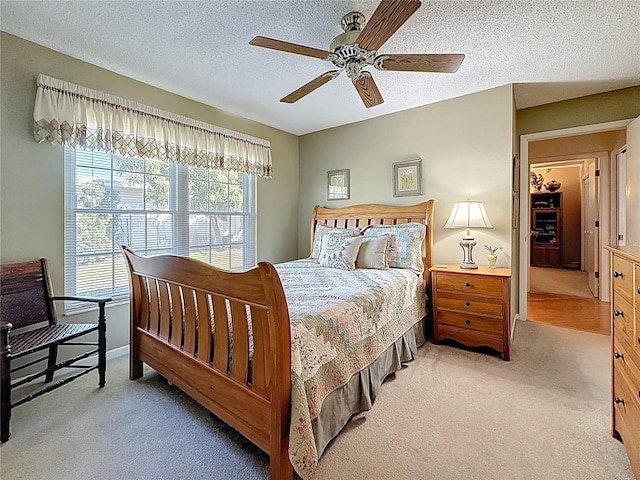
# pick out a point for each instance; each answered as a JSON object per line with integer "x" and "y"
{"x": 625, "y": 354}
{"x": 472, "y": 306}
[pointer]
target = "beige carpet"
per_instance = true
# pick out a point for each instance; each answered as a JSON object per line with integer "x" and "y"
{"x": 573, "y": 283}
{"x": 450, "y": 415}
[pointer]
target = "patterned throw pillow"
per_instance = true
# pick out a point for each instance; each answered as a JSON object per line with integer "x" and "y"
{"x": 338, "y": 251}
{"x": 373, "y": 253}
{"x": 322, "y": 230}
{"x": 405, "y": 246}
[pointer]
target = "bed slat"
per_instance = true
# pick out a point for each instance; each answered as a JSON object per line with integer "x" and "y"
{"x": 240, "y": 354}
{"x": 204, "y": 327}
{"x": 177, "y": 313}
{"x": 154, "y": 307}
{"x": 143, "y": 307}
{"x": 190, "y": 321}
{"x": 261, "y": 366}
{"x": 165, "y": 310}
{"x": 221, "y": 334}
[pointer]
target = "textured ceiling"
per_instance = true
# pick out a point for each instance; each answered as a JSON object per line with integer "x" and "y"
{"x": 552, "y": 50}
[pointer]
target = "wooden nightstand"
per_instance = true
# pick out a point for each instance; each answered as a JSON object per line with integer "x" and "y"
{"x": 472, "y": 306}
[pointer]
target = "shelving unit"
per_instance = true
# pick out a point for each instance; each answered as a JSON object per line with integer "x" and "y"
{"x": 546, "y": 229}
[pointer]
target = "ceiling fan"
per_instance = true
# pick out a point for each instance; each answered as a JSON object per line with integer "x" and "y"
{"x": 357, "y": 48}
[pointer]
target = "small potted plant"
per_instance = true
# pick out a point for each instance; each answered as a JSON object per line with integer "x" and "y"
{"x": 493, "y": 256}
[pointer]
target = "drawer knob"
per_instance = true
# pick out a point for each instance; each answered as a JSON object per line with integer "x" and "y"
{"x": 467, "y": 284}
{"x": 467, "y": 304}
{"x": 618, "y": 275}
{"x": 638, "y": 290}
{"x": 619, "y": 355}
{"x": 619, "y": 400}
{"x": 618, "y": 313}
{"x": 468, "y": 322}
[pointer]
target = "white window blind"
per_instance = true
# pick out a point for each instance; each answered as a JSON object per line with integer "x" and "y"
{"x": 154, "y": 207}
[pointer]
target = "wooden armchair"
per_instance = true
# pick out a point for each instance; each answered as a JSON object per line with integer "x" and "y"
{"x": 26, "y": 300}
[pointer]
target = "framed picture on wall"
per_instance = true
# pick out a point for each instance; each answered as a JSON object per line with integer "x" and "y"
{"x": 407, "y": 178}
{"x": 338, "y": 185}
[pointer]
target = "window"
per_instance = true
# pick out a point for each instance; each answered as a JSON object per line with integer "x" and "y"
{"x": 154, "y": 207}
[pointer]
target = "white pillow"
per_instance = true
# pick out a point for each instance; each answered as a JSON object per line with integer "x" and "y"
{"x": 322, "y": 230}
{"x": 373, "y": 253}
{"x": 338, "y": 251}
{"x": 405, "y": 246}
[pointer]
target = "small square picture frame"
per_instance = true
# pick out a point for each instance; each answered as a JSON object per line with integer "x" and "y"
{"x": 407, "y": 178}
{"x": 338, "y": 184}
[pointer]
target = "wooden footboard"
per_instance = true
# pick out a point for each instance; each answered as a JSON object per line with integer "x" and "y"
{"x": 221, "y": 337}
{"x": 224, "y": 338}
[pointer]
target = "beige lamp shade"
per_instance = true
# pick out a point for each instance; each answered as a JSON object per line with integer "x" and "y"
{"x": 469, "y": 214}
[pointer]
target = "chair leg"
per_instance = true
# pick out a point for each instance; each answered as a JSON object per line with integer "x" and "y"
{"x": 5, "y": 382}
{"x": 53, "y": 358}
{"x": 102, "y": 346}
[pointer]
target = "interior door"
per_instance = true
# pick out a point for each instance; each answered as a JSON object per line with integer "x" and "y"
{"x": 589, "y": 234}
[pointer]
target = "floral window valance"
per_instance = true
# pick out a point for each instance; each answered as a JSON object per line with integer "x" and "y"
{"x": 70, "y": 114}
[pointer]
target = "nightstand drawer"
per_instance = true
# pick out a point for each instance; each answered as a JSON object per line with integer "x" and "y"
{"x": 470, "y": 303}
{"x": 470, "y": 322}
{"x": 462, "y": 283}
{"x": 470, "y": 338}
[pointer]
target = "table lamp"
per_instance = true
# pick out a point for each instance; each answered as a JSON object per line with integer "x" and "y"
{"x": 468, "y": 214}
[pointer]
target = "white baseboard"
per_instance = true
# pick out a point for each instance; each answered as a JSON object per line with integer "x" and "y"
{"x": 516, "y": 317}
{"x": 118, "y": 352}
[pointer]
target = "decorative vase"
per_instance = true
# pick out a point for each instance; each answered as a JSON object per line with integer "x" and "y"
{"x": 493, "y": 259}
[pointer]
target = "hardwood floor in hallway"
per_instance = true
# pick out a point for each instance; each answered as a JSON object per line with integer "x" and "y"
{"x": 589, "y": 315}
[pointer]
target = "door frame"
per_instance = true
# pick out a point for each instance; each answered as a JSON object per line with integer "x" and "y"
{"x": 524, "y": 223}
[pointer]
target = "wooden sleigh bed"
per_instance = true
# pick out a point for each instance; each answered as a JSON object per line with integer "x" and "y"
{"x": 244, "y": 377}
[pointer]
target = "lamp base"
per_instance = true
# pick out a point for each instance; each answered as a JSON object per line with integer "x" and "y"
{"x": 467, "y": 243}
{"x": 468, "y": 266}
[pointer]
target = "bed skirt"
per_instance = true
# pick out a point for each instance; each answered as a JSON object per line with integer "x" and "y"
{"x": 362, "y": 389}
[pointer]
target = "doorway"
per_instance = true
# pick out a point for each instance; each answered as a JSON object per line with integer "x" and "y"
{"x": 576, "y": 299}
{"x": 563, "y": 251}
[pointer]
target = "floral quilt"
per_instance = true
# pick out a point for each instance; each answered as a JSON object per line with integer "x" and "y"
{"x": 341, "y": 321}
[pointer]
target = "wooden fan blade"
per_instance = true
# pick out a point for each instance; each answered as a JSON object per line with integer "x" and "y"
{"x": 368, "y": 90}
{"x": 290, "y": 47}
{"x": 440, "y": 63}
{"x": 388, "y": 17}
{"x": 310, "y": 87}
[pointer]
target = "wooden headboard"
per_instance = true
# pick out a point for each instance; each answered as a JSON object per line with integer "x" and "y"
{"x": 375, "y": 214}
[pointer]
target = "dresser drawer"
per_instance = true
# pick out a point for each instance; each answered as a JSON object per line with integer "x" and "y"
{"x": 626, "y": 362}
{"x": 476, "y": 284}
{"x": 626, "y": 406}
{"x": 623, "y": 318}
{"x": 622, "y": 277}
{"x": 469, "y": 337}
{"x": 470, "y": 303}
{"x": 470, "y": 322}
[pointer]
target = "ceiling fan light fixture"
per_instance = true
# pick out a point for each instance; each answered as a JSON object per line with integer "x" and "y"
{"x": 352, "y": 22}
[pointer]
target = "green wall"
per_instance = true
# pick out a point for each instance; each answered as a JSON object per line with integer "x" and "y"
{"x": 604, "y": 107}
{"x": 31, "y": 174}
{"x": 466, "y": 149}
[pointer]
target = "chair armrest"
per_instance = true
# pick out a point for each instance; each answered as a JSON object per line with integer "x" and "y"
{"x": 83, "y": 299}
